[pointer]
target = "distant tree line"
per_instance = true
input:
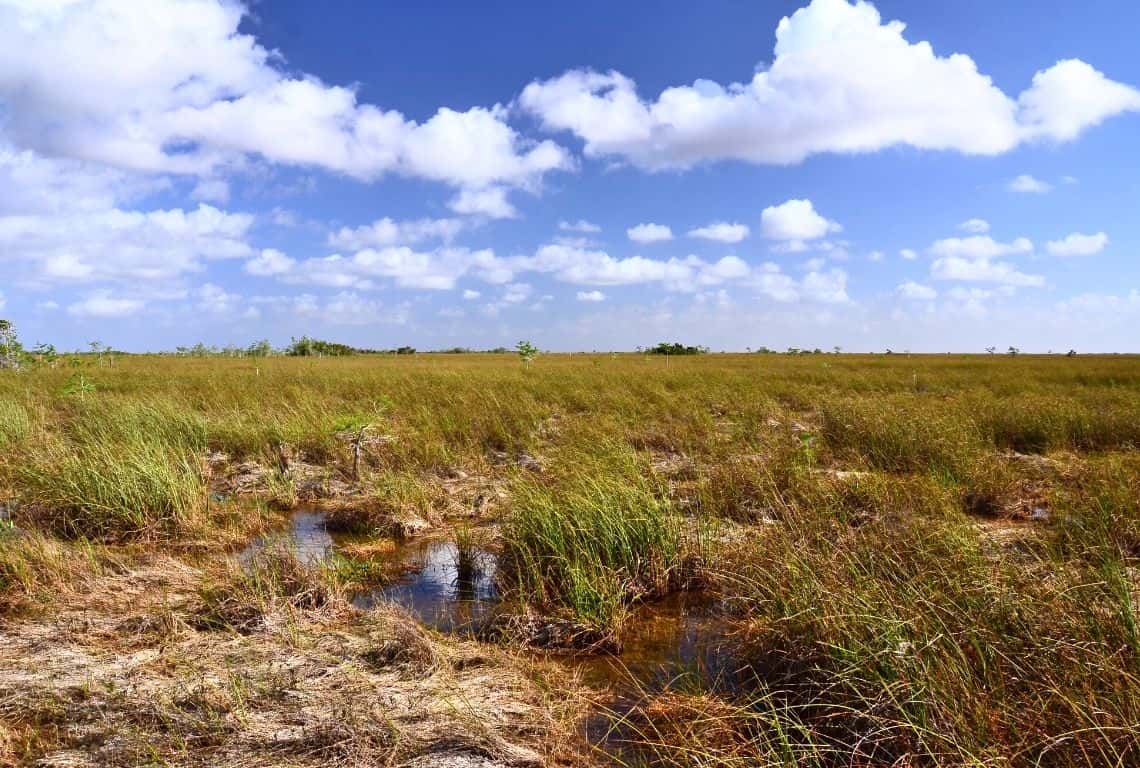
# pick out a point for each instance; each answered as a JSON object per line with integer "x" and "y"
{"x": 674, "y": 348}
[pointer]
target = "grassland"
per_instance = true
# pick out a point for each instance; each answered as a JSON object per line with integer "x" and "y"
{"x": 923, "y": 560}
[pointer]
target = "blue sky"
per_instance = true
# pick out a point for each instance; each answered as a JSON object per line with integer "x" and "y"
{"x": 734, "y": 174}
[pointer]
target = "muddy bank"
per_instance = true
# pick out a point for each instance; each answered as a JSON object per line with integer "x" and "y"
{"x": 120, "y": 676}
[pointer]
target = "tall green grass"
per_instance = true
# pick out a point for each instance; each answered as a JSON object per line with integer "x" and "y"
{"x": 118, "y": 470}
{"x": 588, "y": 543}
{"x": 15, "y": 424}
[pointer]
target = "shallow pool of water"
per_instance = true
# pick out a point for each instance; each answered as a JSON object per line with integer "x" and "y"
{"x": 677, "y": 642}
{"x": 438, "y": 589}
{"x": 306, "y": 535}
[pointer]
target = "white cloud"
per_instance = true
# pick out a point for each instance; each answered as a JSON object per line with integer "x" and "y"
{"x": 211, "y": 191}
{"x": 971, "y": 259}
{"x": 33, "y": 184}
{"x": 283, "y": 218}
{"x": 1103, "y": 304}
{"x": 913, "y": 290}
{"x": 385, "y": 232}
{"x": 842, "y": 81}
{"x": 982, "y": 271}
{"x": 721, "y": 232}
{"x": 593, "y": 296}
{"x": 909, "y": 254}
{"x": 875, "y": 256}
{"x": 795, "y": 221}
{"x": 979, "y": 247}
{"x": 347, "y": 308}
{"x": 582, "y": 226}
{"x": 173, "y": 86}
{"x": 215, "y": 300}
{"x": 103, "y": 304}
{"x": 437, "y": 269}
{"x": 829, "y": 287}
{"x": 269, "y": 262}
{"x": 1029, "y": 185}
{"x": 488, "y": 201}
{"x": 975, "y": 226}
{"x": 649, "y": 233}
{"x": 1071, "y": 96}
{"x": 596, "y": 267}
{"x": 1077, "y": 244}
{"x": 516, "y": 293}
{"x": 470, "y": 295}
{"x": 122, "y": 245}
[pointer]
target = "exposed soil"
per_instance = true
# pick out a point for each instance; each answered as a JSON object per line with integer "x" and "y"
{"x": 119, "y": 676}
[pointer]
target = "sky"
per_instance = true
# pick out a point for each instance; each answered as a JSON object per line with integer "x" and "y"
{"x": 896, "y": 175}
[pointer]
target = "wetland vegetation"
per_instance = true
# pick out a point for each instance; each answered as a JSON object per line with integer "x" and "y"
{"x": 653, "y": 559}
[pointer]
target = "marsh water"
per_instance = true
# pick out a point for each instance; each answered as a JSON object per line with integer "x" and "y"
{"x": 676, "y": 642}
{"x": 306, "y": 536}
{"x": 436, "y": 588}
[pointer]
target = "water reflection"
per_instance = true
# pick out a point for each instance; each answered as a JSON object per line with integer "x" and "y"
{"x": 306, "y": 536}
{"x": 440, "y": 588}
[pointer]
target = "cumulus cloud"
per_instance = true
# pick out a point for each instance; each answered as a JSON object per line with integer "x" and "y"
{"x": 122, "y": 245}
{"x": 721, "y": 232}
{"x": 979, "y": 247}
{"x": 1071, "y": 96}
{"x": 491, "y": 202}
{"x": 1077, "y": 244}
{"x": 795, "y": 221}
{"x": 982, "y": 271}
{"x": 344, "y": 308}
{"x": 33, "y": 184}
{"x": 975, "y": 226}
{"x": 211, "y": 191}
{"x": 582, "y": 226}
{"x": 909, "y": 254}
{"x": 592, "y": 296}
{"x": 437, "y": 269}
{"x": 268, "y": 263}
{"x": 386, "y": 231}
{"x": 829, "y": 287}
{"x": 841, "y": 80}
{"x": 972, "y": 259}
{"x": 174, "y": 86}
{"x": 102, "y": 304}
{"x": 1027, "y": 184}
{"x": 913, "y": 290}
{"x": 215, "y": 300}
{"x": 649, "y": 233}
{"x": 582, "y": 266}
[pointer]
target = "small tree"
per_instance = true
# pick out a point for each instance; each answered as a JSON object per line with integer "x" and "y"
{"x": 10, "y": 349}
{"x": 991, "y": 350}
{"x": 526, "y": 352}
{"x": 45, "y": 353}
{"x": 1014, "y": 351}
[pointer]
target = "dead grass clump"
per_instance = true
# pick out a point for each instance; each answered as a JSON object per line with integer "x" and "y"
{"x": 35, "y": 568}
{"x": 396, "y": 639}
{"x": 273, "y": 583}
{"x": 396, "y": 506}
{"x": 687, "y": 728}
